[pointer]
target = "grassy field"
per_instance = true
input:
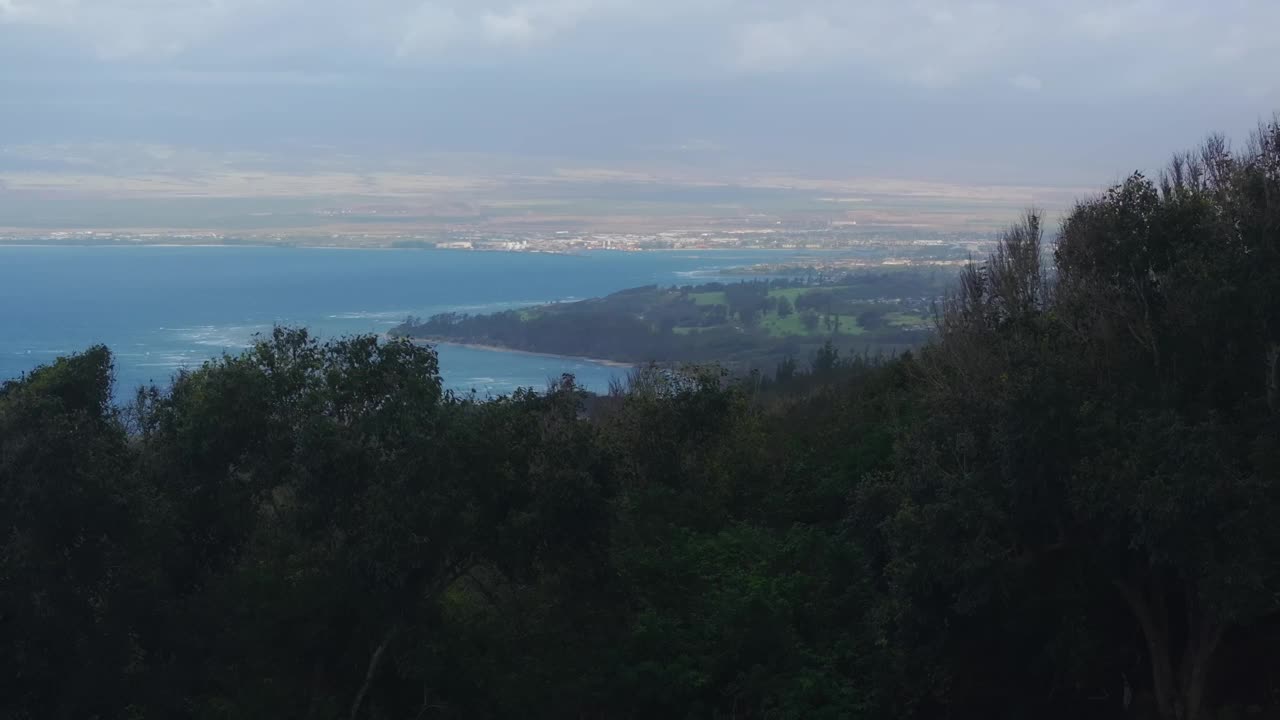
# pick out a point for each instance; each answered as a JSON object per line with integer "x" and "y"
{"x": 792, "y": 293}
{"x": 709, "y": 298}
{"x": 793, "y": 326}
{"x": 906, "y": 320}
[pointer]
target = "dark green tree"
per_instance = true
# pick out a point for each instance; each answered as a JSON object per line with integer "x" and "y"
{"x": 825, "y": 359}
{"x": 786, "y": 370}
{"x": 78, "y": 576}
{"x": 1105, "y": 435}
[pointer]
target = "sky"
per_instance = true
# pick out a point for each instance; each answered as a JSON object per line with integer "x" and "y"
{"x": 1002, "y": 91}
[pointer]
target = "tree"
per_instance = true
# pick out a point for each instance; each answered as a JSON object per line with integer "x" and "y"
{"x": 786, "y": 369}
{"x": 825, "y": 358}
{"x": 1164, "y": 287}
{"x": 79, "y": 592}
{"x": 312, "y": 473}
{"x": 785, "y": 308}
{"x": 1093, "y": 423}
{"x": 872, "y": 319}
{"x": 809, "y": 319}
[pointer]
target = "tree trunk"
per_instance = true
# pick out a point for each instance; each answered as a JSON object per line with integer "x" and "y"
{"x": 317, "y": 687}
{"x": 1273, "y": 377}
{"x": 1203, "y": 637}
{"x": 420, "y": 589}
{"x": 1180, "y": 695}
{"x": 372, "y": 671}
{"x": 1155, "y": 630}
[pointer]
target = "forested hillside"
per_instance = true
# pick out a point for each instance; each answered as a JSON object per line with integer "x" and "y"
{"x": 743, "y": 325}
{"x": 1064, "y": 506}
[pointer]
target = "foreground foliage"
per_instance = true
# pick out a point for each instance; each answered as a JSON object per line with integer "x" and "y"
{"x": 1063, "y": 507}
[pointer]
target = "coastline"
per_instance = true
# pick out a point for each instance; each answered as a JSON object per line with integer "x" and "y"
{"x": 499, "y": 348}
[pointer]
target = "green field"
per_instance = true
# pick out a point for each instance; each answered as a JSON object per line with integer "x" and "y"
{"x": 709, "y": 298}
{"x": 906, "y": 320}
{"x": 792, "y": 326}
{"x": 792, "y": 293}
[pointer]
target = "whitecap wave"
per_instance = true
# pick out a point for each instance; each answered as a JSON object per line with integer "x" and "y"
{"x": 492, "y": 306}
{"x": 221, "y": 336}
{"x": 389, "y": 315}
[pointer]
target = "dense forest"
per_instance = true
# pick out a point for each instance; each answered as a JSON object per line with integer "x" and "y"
{"x": 1063, "y": 506}
{"x": 741, "y": 325}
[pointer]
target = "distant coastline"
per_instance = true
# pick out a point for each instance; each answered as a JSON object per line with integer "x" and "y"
{"x": 740, "y": 325}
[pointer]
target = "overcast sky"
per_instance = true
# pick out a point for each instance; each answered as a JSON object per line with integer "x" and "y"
{"x": 997, "y": 91}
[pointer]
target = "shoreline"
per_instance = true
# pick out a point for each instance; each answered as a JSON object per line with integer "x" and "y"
{"x": 499, "y": 348}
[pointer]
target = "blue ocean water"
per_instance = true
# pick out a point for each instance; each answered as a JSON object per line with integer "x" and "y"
{"x": 162, "y": 308}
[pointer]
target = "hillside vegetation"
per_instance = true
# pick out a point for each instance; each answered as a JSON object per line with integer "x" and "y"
{"x": 1063, "y": 506}
{"x": 740, "y": 324}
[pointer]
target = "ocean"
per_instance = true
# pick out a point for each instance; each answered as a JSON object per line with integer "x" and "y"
{"x": 164, "y": 308}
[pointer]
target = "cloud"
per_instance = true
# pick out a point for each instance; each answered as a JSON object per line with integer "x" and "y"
{"x": 783, "y": 44}
{"x": 924, "y": 43}
{"x": 1023, "y": 81}
{"x": 531, "y": 22}
{"x": 429, "y": 30}
{"x": 1014, "y": 45}
{"x": 515, "y": 28}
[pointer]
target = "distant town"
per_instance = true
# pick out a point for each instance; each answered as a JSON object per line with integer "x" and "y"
{"x": 884, "y": 247}
{"x": 121, "y": 196}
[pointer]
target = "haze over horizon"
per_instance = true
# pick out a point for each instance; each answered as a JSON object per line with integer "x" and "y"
{"x": 989, "y": 92}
